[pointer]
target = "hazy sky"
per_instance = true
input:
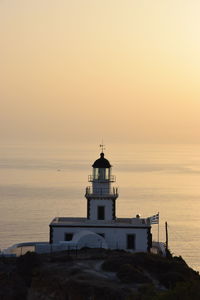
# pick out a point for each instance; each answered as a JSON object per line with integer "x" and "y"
{"x": 125, "y": 70}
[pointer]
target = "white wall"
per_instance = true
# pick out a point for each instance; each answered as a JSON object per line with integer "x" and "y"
{"x": 101, "y": 188}
{"x": 116, "y": 238}
{"x": 108, "y": 209}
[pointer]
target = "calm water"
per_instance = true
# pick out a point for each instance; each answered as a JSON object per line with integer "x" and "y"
{"x": 38, "y": 183}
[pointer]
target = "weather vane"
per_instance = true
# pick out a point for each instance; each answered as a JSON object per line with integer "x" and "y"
{"x": 102, "y": 147}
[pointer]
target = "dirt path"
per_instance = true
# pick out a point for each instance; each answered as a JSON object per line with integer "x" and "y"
{"x": 94, "y": 267}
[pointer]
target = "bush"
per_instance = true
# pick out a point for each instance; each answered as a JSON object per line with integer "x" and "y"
{"x": 129, "y": 274}
{"x": 170, "y": 279}
{"x": 184, "y": 291}
{"x": 113, "y": 264}
{"x": 26, "y": 264}
{"x": 147, "y": 291}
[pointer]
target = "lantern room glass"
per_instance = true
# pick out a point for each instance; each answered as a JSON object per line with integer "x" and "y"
{"x": 101, "y": 173}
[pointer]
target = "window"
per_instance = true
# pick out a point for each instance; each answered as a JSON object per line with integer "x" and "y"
{"x": 96, "y": 173}
{"x": 107, "y": 174}
{"x": 68, "y": 236}
{"x": 101, "y": 213}
{"x": 131, "y": 241}
{"x": 101, "y": 173}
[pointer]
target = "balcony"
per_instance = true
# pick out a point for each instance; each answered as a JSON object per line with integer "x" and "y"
{"x": 100, "y": 192}
{"x": 111, "y": 178}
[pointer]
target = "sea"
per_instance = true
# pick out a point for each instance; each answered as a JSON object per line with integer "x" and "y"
{"x": 41, "y": 181}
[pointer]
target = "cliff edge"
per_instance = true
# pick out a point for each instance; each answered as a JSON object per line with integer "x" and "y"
{"x": 97, "y": 274}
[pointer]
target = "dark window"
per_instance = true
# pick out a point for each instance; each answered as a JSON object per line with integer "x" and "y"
{"x": 131, "y": 241}
{"x": 101, "y": 234}
{"x": 68, "y": 236}
{"x": 101, "y": 212}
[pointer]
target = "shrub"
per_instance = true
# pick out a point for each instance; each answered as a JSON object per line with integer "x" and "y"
{"x": 26, "y": 264}
{"x": 170, "y": 279}
{"x": 128, "y": 273}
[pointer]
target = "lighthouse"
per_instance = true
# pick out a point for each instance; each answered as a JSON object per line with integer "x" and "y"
{"x": 101, "y": 196}
{"x": 101, "y": 227}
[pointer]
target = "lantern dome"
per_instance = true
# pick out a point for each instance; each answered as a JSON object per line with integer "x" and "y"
{"x": 101, "y": 162}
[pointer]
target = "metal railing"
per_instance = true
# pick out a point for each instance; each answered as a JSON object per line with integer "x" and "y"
{"x": 113, "y": 192}
{"x": 111, "y": 178}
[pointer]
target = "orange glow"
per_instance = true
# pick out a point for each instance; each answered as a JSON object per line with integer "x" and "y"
{"x": 125, "y": 70}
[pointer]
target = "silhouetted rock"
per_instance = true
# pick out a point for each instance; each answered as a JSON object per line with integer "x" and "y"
{"x": 98, "y": 275}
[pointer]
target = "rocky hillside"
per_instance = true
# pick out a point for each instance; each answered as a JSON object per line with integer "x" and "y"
{"x": 97, "y": 274}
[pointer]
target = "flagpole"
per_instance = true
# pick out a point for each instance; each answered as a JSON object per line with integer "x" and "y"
{"x": 166, "y": 233}
{"x": 158, "y": 227}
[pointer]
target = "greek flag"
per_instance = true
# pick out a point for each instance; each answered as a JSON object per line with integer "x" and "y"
{"x": 154, "y": 219}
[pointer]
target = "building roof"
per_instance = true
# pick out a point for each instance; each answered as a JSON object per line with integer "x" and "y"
{"x": 84, "y": 222}
{"x": 101, "y": 162}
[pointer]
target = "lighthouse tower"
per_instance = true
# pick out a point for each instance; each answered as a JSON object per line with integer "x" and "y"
{"x": 101, "y": 228}
{"x": 101, "y": 196}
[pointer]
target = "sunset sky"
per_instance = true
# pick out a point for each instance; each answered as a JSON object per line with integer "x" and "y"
{"x": 80, "y": 70}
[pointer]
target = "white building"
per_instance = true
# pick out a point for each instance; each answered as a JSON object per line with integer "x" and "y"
{"x": 101, "y": 227}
